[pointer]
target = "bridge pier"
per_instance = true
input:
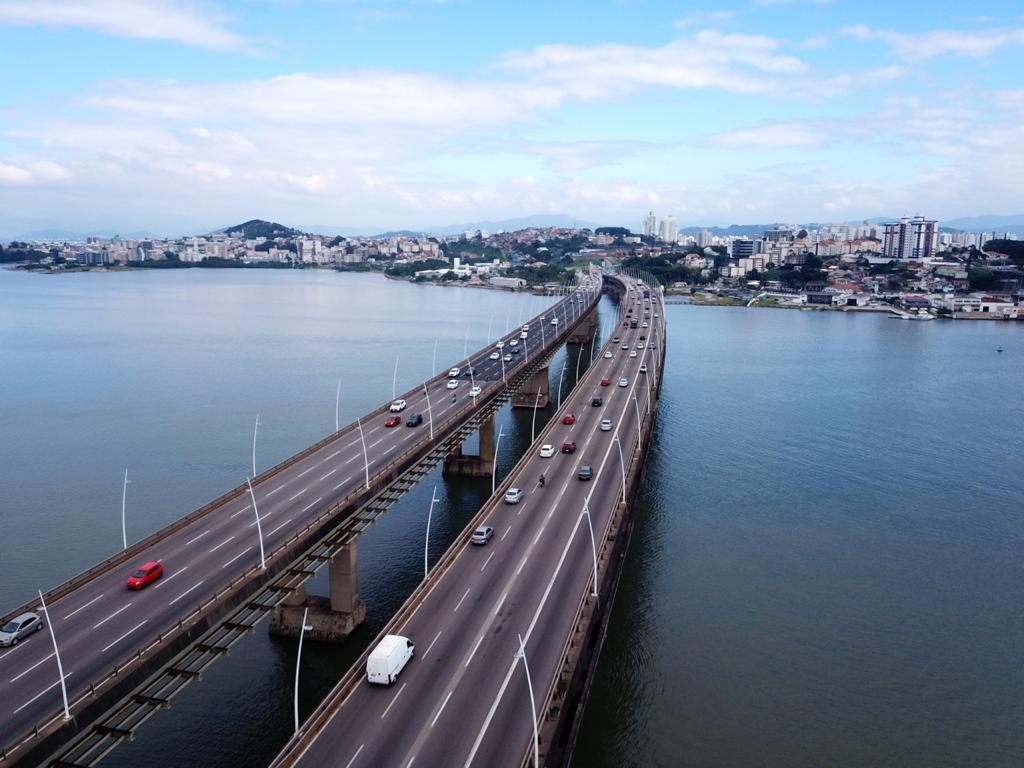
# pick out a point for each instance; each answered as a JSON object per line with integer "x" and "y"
{"x": 459, "y": 464}
{"x": 584, "y": 332}
{"x": 332, "y": 618}
{"x": 526, "y": 397}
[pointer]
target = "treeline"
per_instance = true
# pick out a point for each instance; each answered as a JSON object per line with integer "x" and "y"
{"x": 19, "y": 252}
{"x": 1014, "y": 249}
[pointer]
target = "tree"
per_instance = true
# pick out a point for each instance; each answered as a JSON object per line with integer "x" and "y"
{"x": 982, "y": 279}
{"x": 1014, "y": 249}
{"x": 801, "y": 234}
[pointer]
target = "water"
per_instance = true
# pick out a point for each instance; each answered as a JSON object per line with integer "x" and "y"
{"x": 826, "y": 568}
{"x": 827, "y": 561}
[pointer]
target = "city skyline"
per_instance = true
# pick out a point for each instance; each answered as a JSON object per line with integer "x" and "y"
{"x": 179, "y": 117}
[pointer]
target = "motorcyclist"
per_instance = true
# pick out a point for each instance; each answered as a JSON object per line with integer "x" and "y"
{"x": 541, "y": 480}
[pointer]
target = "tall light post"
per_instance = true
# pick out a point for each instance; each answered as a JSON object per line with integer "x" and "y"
{"x": 259, "y": 528}
{"x": 636, "y": 403}
{"x": 433, "y": 364}
{"x": 255, "y": 429}
{"x": 124, "y": 497}
{"x": 533, "y": 426}
{"x": 337, "y": 406}
{"x": 394, "y": 380}
{"x": 579, "y": 356}
{"x": 593, "y": 543}
{"x": 521, "y": 654}
{"x": 366, "y": 456}
{"x": 426, "y": 538}
{"x": 430, "y": 412}
{"x": 622, "y": 464}
{"x": 489, "y": 321}
{"x": 56, "y": 653}
{"x": 502, "y": 352}
{"x": 560, "y": 375}
{"x": 298, "y": 660}
{"x": 494, "y": 464}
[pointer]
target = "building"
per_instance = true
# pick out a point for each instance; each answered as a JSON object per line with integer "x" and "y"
{"x": 668, "y": 230}
{"x": 742, "y": 249}
{"x": 649, "y": 224}
{"x": 704, "y": 238}
{"x": 909, "y": 239}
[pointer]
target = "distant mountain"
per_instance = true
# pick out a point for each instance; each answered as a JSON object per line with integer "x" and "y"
{"x": 511, "y": 225}
{"x": 260, "y": 228}
{"x": 733, "y": 230}
{"x": 53, "y": 234}
{"x": 1011, "y": 223}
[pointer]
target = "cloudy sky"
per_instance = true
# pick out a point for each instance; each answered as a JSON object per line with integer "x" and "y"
{"x": 184, "y": 115}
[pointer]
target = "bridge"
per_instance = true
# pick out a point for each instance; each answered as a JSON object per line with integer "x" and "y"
{"x": 117, "y": 657}
{"x": 506, "y": 634}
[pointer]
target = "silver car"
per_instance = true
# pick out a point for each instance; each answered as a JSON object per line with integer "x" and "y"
{"x": 19, "y": 628}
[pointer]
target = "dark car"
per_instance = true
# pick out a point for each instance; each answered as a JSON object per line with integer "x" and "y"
{"x": 146, "y": 574}
{"x": 393, "y": 421}
{"x": 470, "y": 371}
{"x": 586, "y": 472}
{"x": 596, "y": 401}
{"x": 569, "y": 446}
{"x": 415, "y": 420}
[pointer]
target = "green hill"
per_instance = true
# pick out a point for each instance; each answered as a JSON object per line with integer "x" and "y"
{"x": 260, "y": 228}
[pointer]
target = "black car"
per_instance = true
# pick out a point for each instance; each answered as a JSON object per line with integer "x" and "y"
{"x": 415, "y": 420}
{"x": 586, "y": 472}
{"x": 596, "y": 401}
{"x": 470, "y": 371}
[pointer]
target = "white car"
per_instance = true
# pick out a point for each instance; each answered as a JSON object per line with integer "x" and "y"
{"x": 524, "y": 335}
{"x": 554, "y": 321}
{"x": 624, "y": 346}
{"x": 514, "y": 343}
{"x": 473, "y": 392}
{"x": 527, "y": 327}
{"x": 643, "y": 368}
{"x": 500, "y": 345}
{"x": 608, "y": 355}
{"x": 453, "y": 372}
{"x": 547, "y": 451}
{"x": 454, "y": 383}
{"x": 632, "y": 353}
{"x": 495, "y": 356}
{"x": 398, "y": 405}
{"x": 508, "y": 358}
{"x": 513, "y": 495}
{"x": 606, "y": 425}
{"x": 623, "y": 382}
{"x": 644, "y": 324}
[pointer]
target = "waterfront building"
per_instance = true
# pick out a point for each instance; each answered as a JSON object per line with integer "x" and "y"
{"x": 907, "y": 239}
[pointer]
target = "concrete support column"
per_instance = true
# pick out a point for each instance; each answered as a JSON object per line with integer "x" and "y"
{"x": 344, "y": 578}
{"x": 461, "y": 464}
{"x": 586, "y": 329}
{"x": 526, "y": 397}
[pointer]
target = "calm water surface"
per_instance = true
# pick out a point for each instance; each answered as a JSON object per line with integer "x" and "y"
{"x": 827, "y": 563}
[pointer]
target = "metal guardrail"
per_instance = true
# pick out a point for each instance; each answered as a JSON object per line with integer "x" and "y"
{"x": 88, "y": 747}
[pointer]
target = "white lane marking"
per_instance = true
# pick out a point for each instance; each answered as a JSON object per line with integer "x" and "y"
{"x": 333, "y": 455}
{"x": 122, "y": 608}
{"x": 122, "y": 637}
{"x": 409, "y": 764}
{"x": 22, "y": 674}
{"x": 312, "y": 503}
{"x": 438, "y": 714}
{"x": 197, "y": 538}
{"x": 83, "y": 607}
{"x": 486, "y": 562}
{"x": 505, "y": 533}
{"x": 498, "y": 606}
{"x": 325, "y": 476}
{"x": 388, "y": 709}
{"x": 425, "y": 653}
{"x": 305, "y": 472}
{"x": 275, "y": 490}
{"x": 246, "y": 508}
{"x": 282, "y": 525}
{"x": 537, "y": 537}
{"x": 479, "y": 640}
{"x": 349, "y": 763}
{"x": 47, "y": 688}
{"x": 293, "y": 498}
{"x": 374, "y": 445}
{"x": 460, "y": 601}
{"x": 342, "y": 483}
{"x": 169, "y": 578}
{"x": 525, "y": 558}
{"x": 349, "y": 462}
{"x": 190, "y": 589}
{"x": 229, "y": 562}
{"x": 229, "y": 538}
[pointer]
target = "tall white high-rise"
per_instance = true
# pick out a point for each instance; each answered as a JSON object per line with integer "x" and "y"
{"x": 668, "y": 230}
{"x": 911, "y": 238}
{"x": 649, "y": 224}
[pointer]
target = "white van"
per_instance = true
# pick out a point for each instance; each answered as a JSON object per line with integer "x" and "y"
{"x": 388, "y": 659}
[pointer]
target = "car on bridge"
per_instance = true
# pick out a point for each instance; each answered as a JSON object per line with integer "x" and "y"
{"x": 482, "y": 535}
{"x": 513, "y": 495}
{"x": 643, "y": 368}
{"x": 508, "y": 358}
{"x": 147, "y": 573}
{"x": 470, "y": 371}
{"x": 453, "y": 372}
{"x": 554, "y": 321}
{"x": 452, "y": 384}
{"x": 526, "y": 327}
{"x": 547, "y": 451}
{"x": 632, "y": 353}
{"x": 415, "y": 420}
{"x": 569, "y": 419}
{"x": 615, "y": 340}
{"x": 606, "y": 425}
{"x": 397, "y": 405}
{"x": 495, "y": 356}
{"x": 514, "y": 343}
{"x": 605, "y": 382}
{"x": 500, "y": 345}
{"x": 623, "y": 382}
{"x": 388, "y": 659}
{"x": 393, "y": 421}
{"x": 474, "y": 391}
{"x": 608, "y": 355}
{"x": 597, "y": 401}
{"x": 19, "y": 628}
{"x": 586, "y": 472}
{"x": 569, "y": 446}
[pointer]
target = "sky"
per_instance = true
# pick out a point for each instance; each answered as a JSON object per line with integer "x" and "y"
{"x": 181, "y": 116}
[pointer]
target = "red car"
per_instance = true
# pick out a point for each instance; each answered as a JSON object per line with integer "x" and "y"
{"x": 569, "y": 446}
{"x": 393, "y": 421}
{"x": 147, "y": 574}
{"x": 568, "y": 419}
{"x": 605, "y": 383}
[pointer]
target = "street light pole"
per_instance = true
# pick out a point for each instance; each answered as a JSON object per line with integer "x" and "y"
{"x": 366, "y": 456}
{"x": 426, "y": 539}
{"x": 124, "y": 495}
{"x": 533, "y": 426}
{"x": 593, "y": 544}
{"x": 636, "y": 403}
{"x": 60, "y": 667}
{"x": 255, "y": 429}
{"x": 560, "y": 375}
{"x": 494, "y": 465}
{"x": 533, "y": 705}
{"x": 394, "y": 380}
{"x": 337, "y": 406}
{"x": 298, "y": 660}
{"x": 259, "y": 528}
{"x": 430, "y": 412}
{"x": 622, "y": 464}
{"x": 433, "y": 365}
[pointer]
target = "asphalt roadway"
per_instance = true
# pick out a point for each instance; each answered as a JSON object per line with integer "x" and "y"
{"x": 463, "y": 699}
{"x": 102, "y": 624}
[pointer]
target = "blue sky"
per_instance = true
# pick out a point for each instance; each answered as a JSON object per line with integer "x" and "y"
{"x": 181, "y": 115}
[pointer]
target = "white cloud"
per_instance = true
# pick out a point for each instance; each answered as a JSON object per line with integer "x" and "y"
{"x": 32, "y": 172}
{"x": 773, "y": 136}
{"x": 941, "y": 42}
{"x": 699, "y": 18}
{"x": 192, "y": 23}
